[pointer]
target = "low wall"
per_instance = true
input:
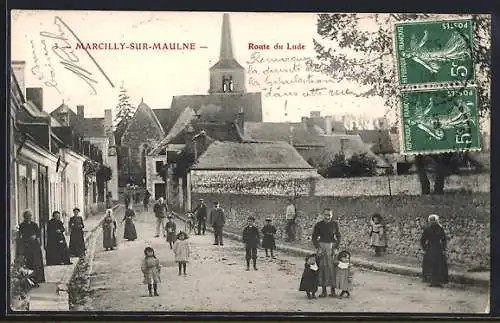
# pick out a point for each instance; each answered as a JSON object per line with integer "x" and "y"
{"x": 465, "y": 218}
{"x": 400, "y": 185}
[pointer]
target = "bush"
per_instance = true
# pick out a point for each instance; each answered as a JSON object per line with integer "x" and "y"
{"x": 20, "y": 285}
{"x": 358, "y": 165}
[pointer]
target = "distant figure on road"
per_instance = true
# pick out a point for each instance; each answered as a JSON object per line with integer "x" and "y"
{"x": 137, "y": 197}
{"x": 309, "y": 280}
{"x": 343, "y": 275}
{"x": 378, "y": 234}
{"x": 151, "y": 269}
{"x": 171, "y": 228}
{"x": 182, "y": 251}
{"x": 218, "y": 220}
{"x": 326, "y": 239}
{"x": 126, "y": 198}
{"x": 129, "y": 232}
{"x": 251, "y": 239}
{"x": 268, "y": 241}
{"x": 145, "y": 200}
{"x": 29, "y": 234}
{"x": 290, "y": 216}
{"x": 201, "y": 217}
{"x": 109, "y": 200}
{"x": 161, "y": 210}
{"x": 433, "y": 242}
{"x": 57, "y": 252}
{"x": 109, "y": 231}
{"x": 76, "y": 242}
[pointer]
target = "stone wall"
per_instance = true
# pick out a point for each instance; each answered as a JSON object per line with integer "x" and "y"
{"x": 400, "y": 185}
{"x": 465, "y": 218}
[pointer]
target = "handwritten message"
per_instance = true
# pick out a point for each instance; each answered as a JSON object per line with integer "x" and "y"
{"x": 289, "y": 76}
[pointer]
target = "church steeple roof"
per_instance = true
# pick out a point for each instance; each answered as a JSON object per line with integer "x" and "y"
{"x": 226, "y": 58}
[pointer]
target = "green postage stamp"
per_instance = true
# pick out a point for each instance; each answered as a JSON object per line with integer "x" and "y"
{"x": 434, "y": 52}
{"x": 439, "y": 120}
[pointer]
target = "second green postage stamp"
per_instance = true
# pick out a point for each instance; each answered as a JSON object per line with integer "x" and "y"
{"x": 434, "y": 51}
{"x": 439, "y": 120}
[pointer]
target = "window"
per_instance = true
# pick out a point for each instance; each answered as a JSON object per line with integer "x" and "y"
{"x": 227, "y": 84}
{"x": 159, "y": 166}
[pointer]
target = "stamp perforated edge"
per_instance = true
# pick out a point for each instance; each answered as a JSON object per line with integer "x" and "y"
{"x": 431, "y": 85}
{"x": 402, "y": 147}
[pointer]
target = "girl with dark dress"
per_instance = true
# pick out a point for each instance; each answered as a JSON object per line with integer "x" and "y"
{"x": 268, "y": 241}
{"x": 57, "y": 252}
{"x": 29, "y": 234}
{"x": 433, "y": 242}
{"x": 170, "y": 228}
{"x": 310, "y": 277}
{"x": 76, "y": 241}
{"x": 109, "y": 231}
{"x": 129, "y": 232}
{"x": 147, "y": 196}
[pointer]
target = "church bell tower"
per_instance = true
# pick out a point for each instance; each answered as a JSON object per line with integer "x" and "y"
{"x": 227, "y": 75}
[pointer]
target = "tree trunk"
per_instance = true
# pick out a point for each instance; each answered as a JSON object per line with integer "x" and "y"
{"x": 422, "y": 175}
{"x": 442, "y": 171}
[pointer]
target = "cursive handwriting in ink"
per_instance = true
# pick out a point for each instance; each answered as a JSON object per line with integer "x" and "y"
{"x": 35, "y": 70}
{"x": 52, "y": 81}
{"x": 38, "y": 69}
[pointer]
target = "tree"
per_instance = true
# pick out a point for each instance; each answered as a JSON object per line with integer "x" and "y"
{"x": 124, "y": 110}
{"x": 103, "y": 175}
{"x": 358, "y": 165}
{"x": 350, "y": 51}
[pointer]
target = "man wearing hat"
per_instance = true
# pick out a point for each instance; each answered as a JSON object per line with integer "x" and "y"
{"x": 251, "y": 239}
{"x": 201, "y": 216}
{"x": 218, "y": 220}
{"x": 161, "y": 210}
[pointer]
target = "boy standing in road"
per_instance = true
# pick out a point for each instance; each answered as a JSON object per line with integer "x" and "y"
{"x": 251, "y": 239}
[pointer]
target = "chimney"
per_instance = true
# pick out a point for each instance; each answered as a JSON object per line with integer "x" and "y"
{"x": 18, "y": 68}
{"x": 80, "y": 112}
{"x": 328, "y": 125}
{"x": 315, "y": 114}
{"x": 35, "y": 95}
{"x": 241, "y": 120}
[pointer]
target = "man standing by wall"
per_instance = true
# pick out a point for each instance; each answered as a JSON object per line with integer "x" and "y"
{"x": 326, "y": 239}
{"x": 201, "y": 217}
{"x": 161, "y": 211}
{"x": 290, "y": 217}
{"x": 217, "y": 219}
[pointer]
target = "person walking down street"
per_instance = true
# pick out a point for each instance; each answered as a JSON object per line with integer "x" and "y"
{"x": 201, "y": 217}
{"x": 182, "y": 251}
{"x": 137, "y": 197}
{"x": 268, "y": 241}
{"x": 344, "y": 274}
{"x": 109, "y": 231}
{"x": 251, "y": 239}
{"x": 309, "y": 280}
{"x": 76, "y": 241}
{"x": 151, "y": 270}
{"x": 290, "y": 217}
{"x": 57, "y": 252}
{"x": 218, "y": 220}
{"x": 378, "y": 234}
{"x": 434, "y": 264}
{"x": 161, "y": 210}
{"x": 29, "y": 234}
{"x": 171, "y": 228}
{"x": 326, "y": 239}
{"x": 129, "y": 232}
{"x": 109, "y": 200}
{"x": 126, "y": 199}
{"x": 145, "y": 200}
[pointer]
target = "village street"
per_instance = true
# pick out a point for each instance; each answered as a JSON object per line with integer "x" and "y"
{"x": 217, "y": 281}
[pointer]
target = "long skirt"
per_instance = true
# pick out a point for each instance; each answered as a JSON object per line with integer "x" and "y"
{"x": 326, "y": 265}
{"x": 435, "y": 267}
{"x": 268, "y": 242}
{"x": 76, "y": 243}
{"x": 33, "y": 258}
{"x": 108, "y": 238}
{"x": 57, "y": 251}
{"x": 129, "y": 232}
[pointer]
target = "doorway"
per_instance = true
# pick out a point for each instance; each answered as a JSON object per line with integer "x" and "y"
{"x": 43, "y": 203}
{"x": 160, "y": 190}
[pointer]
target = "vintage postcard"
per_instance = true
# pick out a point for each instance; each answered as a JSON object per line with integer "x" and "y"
{"x": 249, "y": 162}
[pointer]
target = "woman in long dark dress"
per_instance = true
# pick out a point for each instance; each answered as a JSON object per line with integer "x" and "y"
{"x": 433, "y": 242}
{"x": 57, "y": 252}
{"x": 129, "y": 232}
{"x": 29, "y": 234}
{"x": 109, "y": 231}
{"x": 76, "y": 241}
{"x": 145, "y": 201}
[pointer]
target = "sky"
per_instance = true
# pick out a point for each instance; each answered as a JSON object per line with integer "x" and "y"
{"x": 156, "y": 76}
